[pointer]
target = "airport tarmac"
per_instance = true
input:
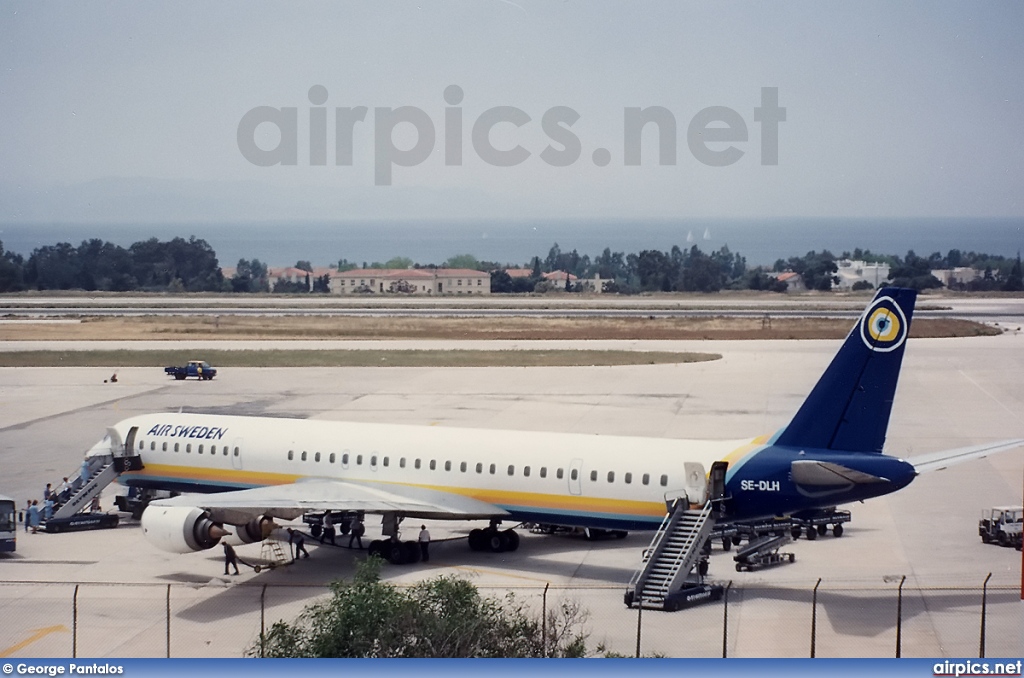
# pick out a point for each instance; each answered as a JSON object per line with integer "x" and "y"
{"x": 952, "y": 393}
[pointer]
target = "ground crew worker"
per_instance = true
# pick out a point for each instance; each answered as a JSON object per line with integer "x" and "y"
{"x": 357, "y": 532}
{"x": 424, "y": 544}
{"x": 327, "y": 528}
{"x": 296, "y": 540}
{"x": 230, "y": 557}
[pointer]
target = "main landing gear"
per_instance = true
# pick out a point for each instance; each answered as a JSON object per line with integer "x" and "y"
{"x": 395, "y": 552}
{"x": 494, "y": 540}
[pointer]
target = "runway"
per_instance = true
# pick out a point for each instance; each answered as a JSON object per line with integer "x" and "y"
{"x": 952, "y": 393}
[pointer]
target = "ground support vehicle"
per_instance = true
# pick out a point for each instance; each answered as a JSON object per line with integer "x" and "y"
{"x": 195, "y": 368}
{"x": 817, "y": 523}
{"x": 1003, "y": 525}
{"x": 763, "y": 552}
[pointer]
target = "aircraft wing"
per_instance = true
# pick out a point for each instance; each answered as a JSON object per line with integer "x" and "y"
{"x": 936, "y": 461}
{"x": 288, "y": 502}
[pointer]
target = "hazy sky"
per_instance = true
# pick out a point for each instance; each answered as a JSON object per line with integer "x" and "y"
{"x": 120, "y": 111}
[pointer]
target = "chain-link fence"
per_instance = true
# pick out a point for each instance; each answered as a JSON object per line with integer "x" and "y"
{"x": 822, "y": 619}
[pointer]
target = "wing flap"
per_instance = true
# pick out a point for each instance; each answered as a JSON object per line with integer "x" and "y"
{"x": 936, "y": 461}
{"x": 288, "y": 502}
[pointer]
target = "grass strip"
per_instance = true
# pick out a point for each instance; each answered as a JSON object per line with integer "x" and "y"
{"x": 347, "y": 358}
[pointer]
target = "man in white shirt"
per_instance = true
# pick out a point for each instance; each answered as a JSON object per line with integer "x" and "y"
{"x": 424, "y": 544}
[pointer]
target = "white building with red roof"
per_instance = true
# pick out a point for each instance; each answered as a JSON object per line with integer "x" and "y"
{"x": 425, "y": 281}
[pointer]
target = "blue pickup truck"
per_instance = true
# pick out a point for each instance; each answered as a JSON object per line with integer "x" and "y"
{"x": 195, "y": 368}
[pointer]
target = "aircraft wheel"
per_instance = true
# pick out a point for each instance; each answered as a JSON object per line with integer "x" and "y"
{"x": 513, "y": 540}
{"x": 412, "y": 551}
{"x": 476, "y": 539}
{"x": 396, "y": 553}
{"x": 822, "y": 529}
{"x": 795, "y": 533}
{"x": 812, "y": 533}
{"x": 726, "y": 543}
{"x": 837, "y": 530}
{"x": 495, "y": 542}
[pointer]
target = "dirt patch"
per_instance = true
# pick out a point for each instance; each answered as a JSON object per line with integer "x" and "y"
{"x": 299, "y": 327}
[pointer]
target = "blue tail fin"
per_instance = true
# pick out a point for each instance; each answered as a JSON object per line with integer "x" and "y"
{"x": 850, "y": 405}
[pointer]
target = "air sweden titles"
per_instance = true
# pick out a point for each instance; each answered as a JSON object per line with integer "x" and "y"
{"x": 204, "y": 432}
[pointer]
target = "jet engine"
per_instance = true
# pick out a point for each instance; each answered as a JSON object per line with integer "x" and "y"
{"x": 181, "y": 529}
{"x": 255, "y": 530}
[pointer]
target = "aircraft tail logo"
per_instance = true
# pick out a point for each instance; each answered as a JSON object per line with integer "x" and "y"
{"x": 883, "y": 327}
{"x": 849, "y": 407}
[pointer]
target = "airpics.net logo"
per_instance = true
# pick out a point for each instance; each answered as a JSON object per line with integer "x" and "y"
{"x": 713, "y": 134}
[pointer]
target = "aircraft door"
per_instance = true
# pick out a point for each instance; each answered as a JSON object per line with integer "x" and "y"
{"x": 236, "y": 454}
{"x": 126, "y": 458}
{"x": 575, "y": 472}
{"x": 717, "y": 484}
{"x": 694, "y": 485}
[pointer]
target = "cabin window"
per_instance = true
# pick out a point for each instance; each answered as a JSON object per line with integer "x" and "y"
{"x": 304, "y": 455}
{"x": 479, "y": 467}
{"x": 629, "y": 478}
{"x": 200, "y": 450}
{"x": 559, "y": 474}
{"x": 433, "y": 464}
{"x": 462, "y": 467}
{"x": 236, "y": 451}
{"x": 316, "y": 457}
{"x": 142, "y": 444}
{"x": 492, "y": 469}
{"x": 574, "y": 474}
{"x": 373, "y": 460}
{"x": 164, "y": 447}
{"x": 213, "y": 449}
{"x": 401, "y": 463}
{"x": 511, "y": 469}
{"x": 543, "y": 471}
{"x": 359, "y": 460}
{"x": 593, "y": 476}
{"x": 387, "y": 461}
{"x": 225, "y": 450}
{"x": 611, "y": 476}
{"x": 526, "y": 471}
{"x": 447, "y": 466}
{"x": 331, "y": 458}
{"x": 175, "y": 447}
{"x": 291, "y": 454}
{"x": 152, "y": 446}
{"x": 417, "y": 464}
{"x": 646, "y": 479}
{"x": 664, "y": 481}
{"x": 344, "y": 459}
{"x": 188, "y": 449}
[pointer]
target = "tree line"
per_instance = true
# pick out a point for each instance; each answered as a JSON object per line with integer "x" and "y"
{"x": 180, "y": 265}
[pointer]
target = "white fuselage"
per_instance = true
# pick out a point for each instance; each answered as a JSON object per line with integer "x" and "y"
{"x": 562, "y": 478}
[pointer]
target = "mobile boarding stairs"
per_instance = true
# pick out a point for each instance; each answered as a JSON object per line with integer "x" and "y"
{"x": 671, "y": 575}
{"x": 74, "y": 514}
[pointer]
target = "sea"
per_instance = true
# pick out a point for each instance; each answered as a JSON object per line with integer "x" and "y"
{"x": 761, "y": 241}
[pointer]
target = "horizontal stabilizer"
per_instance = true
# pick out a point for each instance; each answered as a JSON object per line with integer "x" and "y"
{"x": 828, "y": 474}
{"x": 936, "y": 461}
